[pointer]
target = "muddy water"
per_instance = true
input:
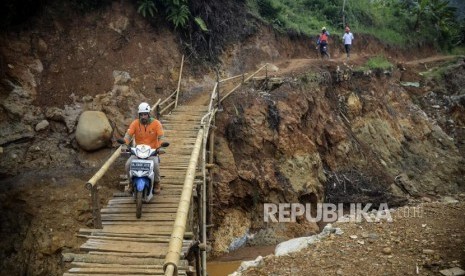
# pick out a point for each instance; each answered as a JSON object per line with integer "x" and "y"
{"x": 228, "y": 263}
{"x": 222, "y": 268}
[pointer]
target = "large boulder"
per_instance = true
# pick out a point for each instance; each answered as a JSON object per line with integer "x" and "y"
{"x": 93, "y": 130}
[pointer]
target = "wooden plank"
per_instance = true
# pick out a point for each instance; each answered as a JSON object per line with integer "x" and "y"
{"x": 144, "y": 223}
{"x": 168, "y": 189}
{"x": 154, "y": 205}
{"x": 136, "y": 239}
{"x": 157, "y": 199}
{"x": 117, "y": 271}
{"x": 136, "y": 266}
{"x": 145, "y": 216}
{"x": 143, "y": 227}
{"x": 168, "y": 163}
{"x": 111, "y": 259}
{"x": 107, "y": 231}
{"x": 130, "y": 254}
{"x": 146, "y": 266}
{"x": 132, "y": 209}
{"x": 180, "y": 273}
{"x": 125, "y": 246}
{"x": 199, "y": 111}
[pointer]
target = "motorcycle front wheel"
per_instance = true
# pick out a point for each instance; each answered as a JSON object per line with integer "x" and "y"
{"x": 138, "y": 204}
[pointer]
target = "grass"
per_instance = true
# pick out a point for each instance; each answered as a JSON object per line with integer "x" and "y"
{"x": 379, "y": 62}
{"x": 388, "y": 36}
{"x": 376, "y": 63}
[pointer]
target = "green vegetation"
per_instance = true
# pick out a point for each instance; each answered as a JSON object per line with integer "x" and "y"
{"x": 379, "y": 62}
{"x": 146, "y": 7}
{"x": 391, "y": 21}
{"x": 176, "y": 11}
{"x": 207, "y": 26}
{"x": 376, "y": 63}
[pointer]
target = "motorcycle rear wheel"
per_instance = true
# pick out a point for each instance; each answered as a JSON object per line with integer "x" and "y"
{"x": 138, "y": 204}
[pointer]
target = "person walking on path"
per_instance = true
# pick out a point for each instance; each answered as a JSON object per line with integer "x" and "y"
{"x": 348, "y": 38}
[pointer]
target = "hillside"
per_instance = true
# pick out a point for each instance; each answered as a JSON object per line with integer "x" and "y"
{"x": 322, "y": 131}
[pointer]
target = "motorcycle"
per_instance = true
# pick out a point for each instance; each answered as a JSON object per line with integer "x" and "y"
{"x": 141, "y": 175}
{"x": 323, "y": 49}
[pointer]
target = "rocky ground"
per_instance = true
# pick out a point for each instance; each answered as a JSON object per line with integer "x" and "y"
{"x": 423, "y": 239}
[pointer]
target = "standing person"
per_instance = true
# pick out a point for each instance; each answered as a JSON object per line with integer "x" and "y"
{"x": 348, "y": 38}
{"x": 148, "y": 131}
{"x": 322, "y": 42}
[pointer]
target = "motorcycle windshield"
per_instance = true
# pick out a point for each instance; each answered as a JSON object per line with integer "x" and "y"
{"x": 140, "y": 183}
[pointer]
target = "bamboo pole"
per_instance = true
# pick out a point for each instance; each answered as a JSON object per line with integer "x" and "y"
{"x": 210, "y": 173}
{"x": 239, "y": 85}
{"x": 169, "y": 97}
{"x": 176, "y": 241}
{"x": 91, "y": 183}
{"x": 179, "y": 81}
{"x": 231, "y": 78}
{"x": 213, "y": 96}
{"x": 168, "y": 106}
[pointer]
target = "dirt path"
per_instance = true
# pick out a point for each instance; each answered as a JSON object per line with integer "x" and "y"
{"x": 431, "y": 59}
{"x": 291, "y": 67}
{"x": 278, "y": 69}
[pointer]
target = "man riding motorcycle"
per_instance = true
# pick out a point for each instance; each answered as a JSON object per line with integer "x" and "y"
{"x": 322, "y": 43}
{"x": 149, "y": 131}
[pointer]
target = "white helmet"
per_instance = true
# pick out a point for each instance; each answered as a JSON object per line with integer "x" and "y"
{"x": 144, "y": 108}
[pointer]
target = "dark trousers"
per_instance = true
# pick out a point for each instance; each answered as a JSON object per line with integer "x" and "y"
{"x": 347, "y": 47}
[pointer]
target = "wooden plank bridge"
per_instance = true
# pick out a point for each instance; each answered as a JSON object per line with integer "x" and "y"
{"x": 129, "y": 246}
{"x": 157, "y": 243}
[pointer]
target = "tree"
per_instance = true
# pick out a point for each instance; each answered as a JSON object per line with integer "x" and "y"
{"x": 435, "y": 12}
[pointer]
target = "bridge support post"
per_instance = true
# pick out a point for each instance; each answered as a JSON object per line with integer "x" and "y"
{"x": 210, "y": 178}
{"x": 96, "y": 208}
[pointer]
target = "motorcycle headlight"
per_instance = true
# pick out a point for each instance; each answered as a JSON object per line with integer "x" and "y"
{"x": 143, "y": 151}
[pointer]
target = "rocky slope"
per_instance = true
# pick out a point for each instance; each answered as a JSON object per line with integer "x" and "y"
{"x": 334, "y": 135}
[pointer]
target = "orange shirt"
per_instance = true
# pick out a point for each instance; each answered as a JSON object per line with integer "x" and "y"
{"x": 147, "y": 134}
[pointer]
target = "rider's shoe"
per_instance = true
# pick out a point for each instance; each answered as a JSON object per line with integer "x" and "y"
{"x": 156, "y": 188}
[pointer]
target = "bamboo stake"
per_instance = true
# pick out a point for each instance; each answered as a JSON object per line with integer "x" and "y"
{"x": 156, "y": 106}
{"x": 96, "y": 208}
{"x": 179, "y": 82}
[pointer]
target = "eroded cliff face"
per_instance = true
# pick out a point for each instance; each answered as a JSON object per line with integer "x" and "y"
{"x": 333, "y": 135}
